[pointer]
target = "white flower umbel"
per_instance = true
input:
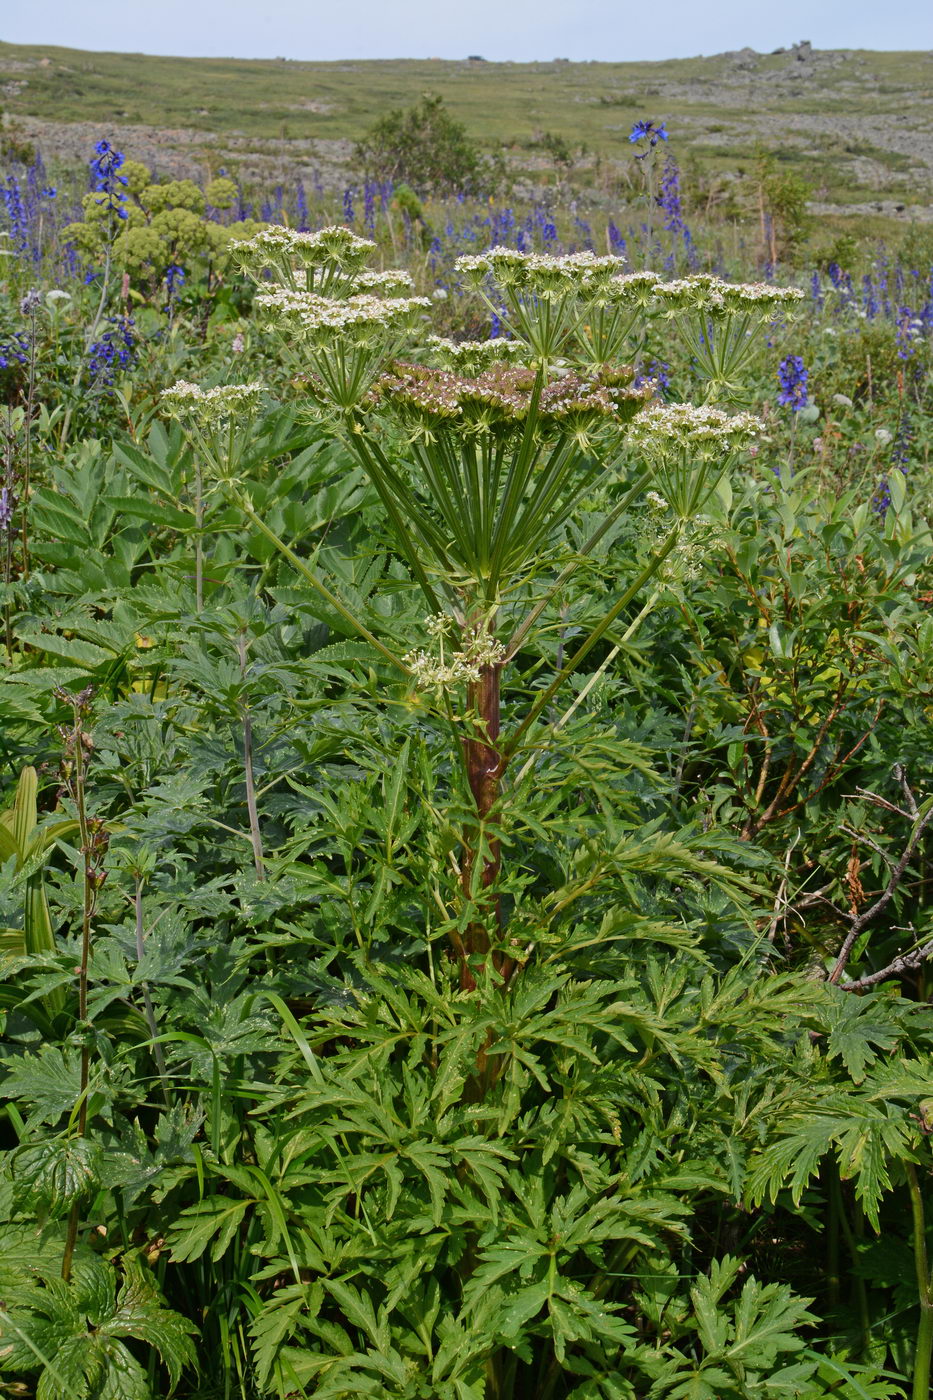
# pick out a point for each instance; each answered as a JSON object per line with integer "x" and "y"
{"x": 699, "y": 430}
{"x": 310, "y": 260}
{"x": 544, "y": 296}
{"x": 360, "y": 319}
{"x": 347, "y": 343}
{"x": 713, "y": 297}
{"x": 544, "y": 275}
{"x": 210, "y": 407}
{"x": 394, "y": 282}
{"x": 474, "y": 356}
{"x": 720, "y": 323}
{"x": 690, "y": 447}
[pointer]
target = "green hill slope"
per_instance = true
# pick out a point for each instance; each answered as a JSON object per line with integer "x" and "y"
{"x": 857, "y": 125}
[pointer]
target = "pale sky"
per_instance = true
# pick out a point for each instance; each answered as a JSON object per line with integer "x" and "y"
{"x": 496, "y": 29}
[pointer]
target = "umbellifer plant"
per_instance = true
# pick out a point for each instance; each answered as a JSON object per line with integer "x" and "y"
{"x": 488, "y": 1163}
{"x": 482, "y": 452}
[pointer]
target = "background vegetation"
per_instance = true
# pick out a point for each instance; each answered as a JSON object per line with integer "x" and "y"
{"x": 260, "y": 1134}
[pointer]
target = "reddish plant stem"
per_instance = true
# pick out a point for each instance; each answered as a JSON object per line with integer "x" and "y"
{"x": 485, "y": 766}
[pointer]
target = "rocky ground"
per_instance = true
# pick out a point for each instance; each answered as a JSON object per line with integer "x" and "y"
{"x": 853, "y": 124}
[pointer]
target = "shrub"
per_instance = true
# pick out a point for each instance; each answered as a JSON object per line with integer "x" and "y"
{"x": 426, "y": 148}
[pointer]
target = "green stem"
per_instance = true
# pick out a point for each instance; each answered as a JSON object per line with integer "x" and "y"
{"x": 594, "y": 678}
{"x": 924, "y": 1351}
{"x": 148, "y": 1007}
{"x": 524, "y": 627}
{"x": 104, "y": 290}
{"x": 88, "y": 902}
{"x": 832, "y": 1233}
{"x": 484, "y": 771}
{"x": 198, "y": 538}
{"x": 582, "y": 651}
{"x": 298, "y": 563}
{"x": 376, "y": 471}
{"x": 248, "y": 772}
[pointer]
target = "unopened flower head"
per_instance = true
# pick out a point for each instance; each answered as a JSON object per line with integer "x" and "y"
{"x": 696, "y": 431}
{"x": 434, "y": 673}
{"x": 448, "y": 669}
{"x": 499, "y": 399}
{"x": 481, "y": 649}
{"x": 212, "y": 406}
{"x": 439, "y": 625}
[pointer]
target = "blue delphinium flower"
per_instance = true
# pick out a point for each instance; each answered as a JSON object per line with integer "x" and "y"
{"x": 370, "y": 190}
{"x": 792, "y": 381}
{"x": 303, "y": 222}
{"x": 349, "y": 216}
{"x": 14, "y": 351}
{"x": 16, "y": 213}
{"x": 108, "y": 183}
{"x": 174, "y": 278}
{"x": 616, "y": 239}
{"x": 115, "y": 350}
{"x": 656, "y": 372}
{"x": 669, "y": 196}
{"x": 904, "y": 333}
{"x": 586, "y": 233}
{"x": 647, "y": 131}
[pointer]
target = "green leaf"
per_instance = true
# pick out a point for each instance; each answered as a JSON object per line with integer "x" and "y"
{"x": 213, "y": 1221}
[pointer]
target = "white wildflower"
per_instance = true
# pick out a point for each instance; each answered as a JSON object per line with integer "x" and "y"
{"x": 698, "y": 430}
{"x": 336, "y": 246}
{"x": 317, "y": 317}
{"x": 542, "y": 275}
{"x": 215, "y": 405}
{"x": 473, "y": 356}
{"x": 711, "y": 296}
{"x": 392, "y": 282}
{"x": 446, "y": 670}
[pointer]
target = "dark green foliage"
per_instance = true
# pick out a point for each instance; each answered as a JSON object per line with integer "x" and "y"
{"x": 683, "y": 1153}
{"x": 424, "y": 147}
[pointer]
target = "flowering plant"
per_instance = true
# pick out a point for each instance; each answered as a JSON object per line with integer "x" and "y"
{"x": 483, "y": 453}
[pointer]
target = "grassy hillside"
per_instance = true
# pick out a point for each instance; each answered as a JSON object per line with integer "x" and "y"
{"x": 857, "y": 125}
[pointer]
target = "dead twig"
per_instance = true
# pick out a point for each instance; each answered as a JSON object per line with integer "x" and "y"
{"x": 859, "y": 922}
{"x": 905, "y": 963}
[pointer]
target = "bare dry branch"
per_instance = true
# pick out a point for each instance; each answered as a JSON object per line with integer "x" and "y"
{"x": 858, "y": 923}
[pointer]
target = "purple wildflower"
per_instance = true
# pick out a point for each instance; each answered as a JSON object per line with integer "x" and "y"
{"x": 792, "y": 382}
